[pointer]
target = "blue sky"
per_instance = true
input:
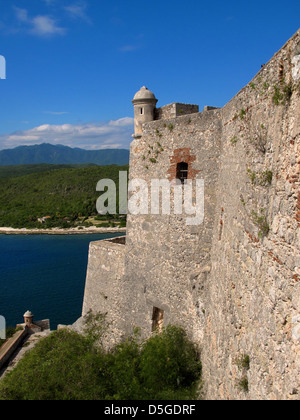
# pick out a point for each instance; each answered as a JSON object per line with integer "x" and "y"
{"x": 73, "y": 66}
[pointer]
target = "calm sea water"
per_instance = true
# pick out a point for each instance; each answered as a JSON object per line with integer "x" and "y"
{"x": 44, "y": 274}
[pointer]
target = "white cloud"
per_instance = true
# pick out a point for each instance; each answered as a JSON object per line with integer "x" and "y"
{"x": 21, "y": 14}
{"x": 78, "y": 11}
{"x": 45, "y": 25}
{"x": 93, "y": 136}
{"x": 128, "y": 48}
{"x": 56, "y": 112}
{"x": 41, "y": 25}
{"x": 121, "y": 122}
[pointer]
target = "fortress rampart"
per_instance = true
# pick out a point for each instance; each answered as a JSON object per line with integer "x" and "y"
{"x": 232, "y": 281}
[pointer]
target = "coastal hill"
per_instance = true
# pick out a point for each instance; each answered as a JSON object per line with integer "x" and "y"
{"x": 54, "y": 196}
{"x": 58, "y": 154}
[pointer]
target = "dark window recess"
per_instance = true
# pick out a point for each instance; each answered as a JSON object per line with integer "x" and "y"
{"x": 182, "y": 171}
{"x": 157, "y": 319}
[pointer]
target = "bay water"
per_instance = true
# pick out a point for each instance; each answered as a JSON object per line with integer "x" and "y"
{"x": 44, "y": 274}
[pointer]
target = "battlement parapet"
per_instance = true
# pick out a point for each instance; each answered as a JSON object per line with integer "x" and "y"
{"x": 174, "y": 110}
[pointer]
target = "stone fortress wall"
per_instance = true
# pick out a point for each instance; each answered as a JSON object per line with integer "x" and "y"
{"x": 253, "y": 294}
{"x": 233, "y": 281}
{"x": 104, "y": 281}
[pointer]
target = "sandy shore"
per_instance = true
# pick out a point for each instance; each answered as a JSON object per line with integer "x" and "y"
{"x": 57, "y": 231}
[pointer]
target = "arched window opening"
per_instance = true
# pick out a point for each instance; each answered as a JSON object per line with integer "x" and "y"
{"x": 182, "y": 171}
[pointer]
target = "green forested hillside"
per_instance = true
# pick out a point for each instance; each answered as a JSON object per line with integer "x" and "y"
{"x": 13, "y": 171}
{"x": 68, "y": 195}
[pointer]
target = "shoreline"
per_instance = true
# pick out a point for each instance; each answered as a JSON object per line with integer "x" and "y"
{"x": 57, "y": 231}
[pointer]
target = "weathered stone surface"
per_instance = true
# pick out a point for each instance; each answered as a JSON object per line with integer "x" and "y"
{"x": 296, "y": 68}
{"x": 104, "y": 284}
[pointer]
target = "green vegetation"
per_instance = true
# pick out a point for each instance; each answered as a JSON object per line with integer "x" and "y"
{"x": 242, "y": 200}
{"x": 282, "y": 94}
{"x": 277, "y": 96}
{"x": 15, "y": 171}
{"x": 65, "y": 196}
{"x": 234, "y": 140}
{"x": 260, "y": 220}
{"x": 153, "y": 153}
{"x": 260, "y": 140}
{"x": 264, "y": 179}
{"x": 252, "y": 176}
{"x": 243, "y": 384}
{"x": 70, "y": 366}
{"x": 243, "y": 364}
{"x": 242, "y": 114}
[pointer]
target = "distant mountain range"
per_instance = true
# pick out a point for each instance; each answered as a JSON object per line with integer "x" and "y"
{"x": 59, "y": 155}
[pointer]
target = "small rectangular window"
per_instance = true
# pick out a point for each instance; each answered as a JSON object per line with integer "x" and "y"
{"x": 157, "y": 319}
{"x": 142, "y": 111}
{"x": 182, "y": 171}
